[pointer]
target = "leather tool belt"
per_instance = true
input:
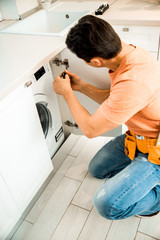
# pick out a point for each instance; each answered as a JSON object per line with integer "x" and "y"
{"x": 143, "y": 144}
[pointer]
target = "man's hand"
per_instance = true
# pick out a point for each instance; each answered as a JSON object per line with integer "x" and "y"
{"x": 95, "y": 93}
{"x": 62, "y": 86}
{"x": 76, "y": 81}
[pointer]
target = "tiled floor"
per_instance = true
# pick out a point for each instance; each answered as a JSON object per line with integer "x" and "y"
{"x": 65, "y": 211}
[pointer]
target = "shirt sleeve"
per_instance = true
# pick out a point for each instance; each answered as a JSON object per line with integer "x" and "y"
{"x": 127, "y": 97}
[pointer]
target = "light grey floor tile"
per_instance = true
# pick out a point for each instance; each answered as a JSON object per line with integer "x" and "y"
{"x": 141, "y": 236}
{"x": 123, "y": 229}
{"x": 78, "y": 146}
{"x": 96, "y": 227}
{"x": 79, "y": 168}
{"x": 69, "y": 143}
{"x": 52, "y": 213}
{"x": 45, "y": 196}
{"x": 71, "y": 224}
{"x": 150, "y": 226}
{"x": 89, "y": 186}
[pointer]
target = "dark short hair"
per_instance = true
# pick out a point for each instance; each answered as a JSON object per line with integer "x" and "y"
{"x": 93, "y": 37}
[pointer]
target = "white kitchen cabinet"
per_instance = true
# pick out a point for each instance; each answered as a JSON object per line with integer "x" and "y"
{"x": 24, "y": 158}
{"x": 146, "y": 37}
{"x": 8, "y": 209}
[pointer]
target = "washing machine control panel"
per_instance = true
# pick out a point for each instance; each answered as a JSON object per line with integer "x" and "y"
{"x": 40, "y": 73}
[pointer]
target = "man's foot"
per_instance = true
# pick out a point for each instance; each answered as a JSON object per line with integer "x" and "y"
{"x": 149, "y": 215}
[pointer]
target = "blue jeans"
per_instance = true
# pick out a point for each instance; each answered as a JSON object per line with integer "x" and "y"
{"x": 132, "y": 187}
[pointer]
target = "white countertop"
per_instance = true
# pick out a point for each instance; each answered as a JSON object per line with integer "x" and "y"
{"x": 22, "y": 55}
{"x": 134, "y": 12}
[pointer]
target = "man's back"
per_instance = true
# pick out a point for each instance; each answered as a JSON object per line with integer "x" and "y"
{"x": 135, "y": 94}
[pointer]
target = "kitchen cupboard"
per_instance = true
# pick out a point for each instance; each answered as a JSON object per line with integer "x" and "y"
{"x": 146, "y": 37}
{"x": 8, "y": 209}
{"x": 24, "y": 158}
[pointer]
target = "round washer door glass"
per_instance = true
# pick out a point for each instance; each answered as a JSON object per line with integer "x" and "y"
{"x": 43, "y": 113}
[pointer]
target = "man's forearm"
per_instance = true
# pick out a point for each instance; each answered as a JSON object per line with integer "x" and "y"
{"x": 91, "y": 125}
{"x": 96, "y": 94}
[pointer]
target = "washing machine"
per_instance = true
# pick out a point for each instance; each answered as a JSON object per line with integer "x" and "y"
{"x": 47, "y": 107}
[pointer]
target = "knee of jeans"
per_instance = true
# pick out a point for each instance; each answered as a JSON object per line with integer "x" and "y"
{"x": 105, "y": 205}
{"x": 93, "y": 170}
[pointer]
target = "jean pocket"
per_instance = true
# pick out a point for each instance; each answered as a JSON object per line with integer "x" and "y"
{"x": 154, "y": 154}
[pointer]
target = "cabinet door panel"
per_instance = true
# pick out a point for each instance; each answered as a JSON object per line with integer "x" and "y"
{"x": 96, "y": 76}
{"x": 24, "y": 159}
{"x": 141, "y": 36}
{"x": 9, "y": 213}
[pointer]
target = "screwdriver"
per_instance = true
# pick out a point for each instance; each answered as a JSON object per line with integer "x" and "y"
{"x": 63, "y": 75}
{"x": 67, "y": 66}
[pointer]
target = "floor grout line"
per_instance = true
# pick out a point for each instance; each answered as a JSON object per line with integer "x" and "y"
{"x": 148, "y": 235}
{"x": 80, "y": 207}
{"x": 73, "y": 179}
{"x": 84, "y": 224}
{"x": 109, "y": 230}
{"x": 137, "y": 227}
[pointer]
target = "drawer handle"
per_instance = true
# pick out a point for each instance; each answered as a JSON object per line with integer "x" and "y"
{"x": 125, "y": 29}
{"x": 27, "y": 84}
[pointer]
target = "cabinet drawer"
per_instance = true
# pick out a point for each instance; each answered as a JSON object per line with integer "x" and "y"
{"x": 141, "y": 36}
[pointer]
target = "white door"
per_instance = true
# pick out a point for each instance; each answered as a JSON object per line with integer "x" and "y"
{"x": 9, "y": 212}
{"x": 24, "y": 158}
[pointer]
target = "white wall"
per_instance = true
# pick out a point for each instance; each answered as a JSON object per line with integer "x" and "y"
{"x": 12, "y": 9}
{"x": 8, "y": 9}
{"x": 24, "y": 6}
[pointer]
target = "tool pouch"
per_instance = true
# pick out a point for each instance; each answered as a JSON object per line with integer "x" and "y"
{"x": 154, "y": 154}
{"x": 130, "y": 145}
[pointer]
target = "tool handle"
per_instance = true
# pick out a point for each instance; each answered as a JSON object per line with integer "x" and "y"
{"x": 63, "y": 75}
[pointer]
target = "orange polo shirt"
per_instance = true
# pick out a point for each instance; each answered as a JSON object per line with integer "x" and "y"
{"x": 135, "y": 94}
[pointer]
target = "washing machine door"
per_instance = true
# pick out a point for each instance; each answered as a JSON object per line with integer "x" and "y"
{"x": 44, "y": 116}
{"x": 50, "y": 123}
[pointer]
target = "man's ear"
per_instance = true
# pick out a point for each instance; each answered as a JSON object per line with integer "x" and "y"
{"x": 96, "y": 62}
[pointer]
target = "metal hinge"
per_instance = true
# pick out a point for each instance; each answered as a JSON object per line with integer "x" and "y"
{"x": 70, "y": 124}
{"x": 59, "y": 62}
